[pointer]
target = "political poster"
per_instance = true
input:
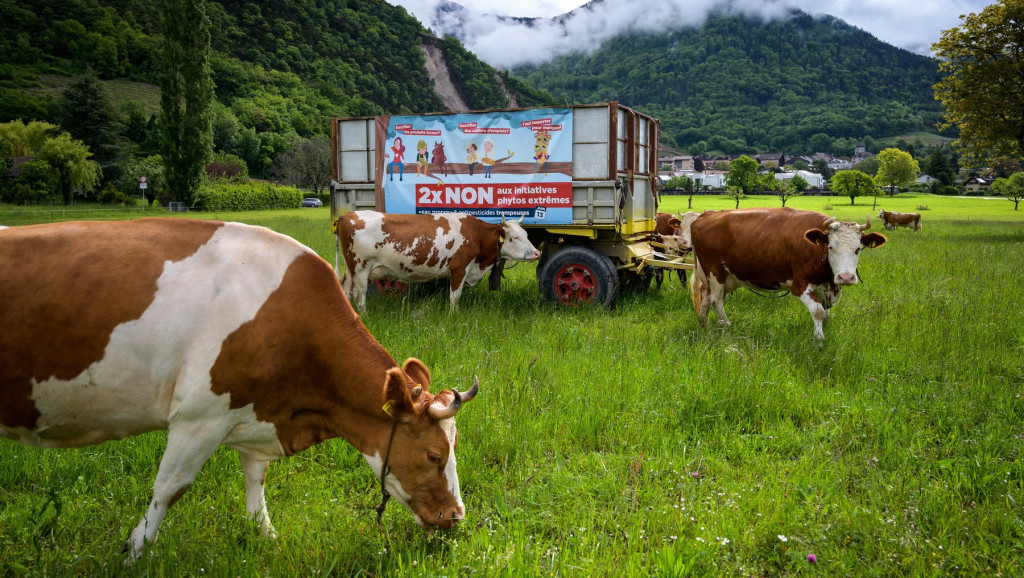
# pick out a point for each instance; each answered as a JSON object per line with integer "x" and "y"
{"x": 512, "y": 164}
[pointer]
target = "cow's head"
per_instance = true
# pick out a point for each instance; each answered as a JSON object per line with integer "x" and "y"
{"x": 421, "y": 459}
{"x": 844, "y": 242}
{"x": 515, "y": 244}
{"x": 881, "y": 213}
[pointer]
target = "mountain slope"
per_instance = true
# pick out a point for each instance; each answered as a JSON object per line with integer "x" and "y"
{"x": 739, "y": 82}
{"x": 278, "y": 65}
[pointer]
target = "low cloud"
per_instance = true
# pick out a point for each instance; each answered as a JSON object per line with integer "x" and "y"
{"x": 504, "y": 42}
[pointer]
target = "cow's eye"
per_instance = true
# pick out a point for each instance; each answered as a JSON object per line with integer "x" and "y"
{"x": 857, "y": 252}
{"x": 434, "y": 458}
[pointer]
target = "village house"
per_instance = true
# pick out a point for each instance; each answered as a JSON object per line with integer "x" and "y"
{"x": 975, "y": 184}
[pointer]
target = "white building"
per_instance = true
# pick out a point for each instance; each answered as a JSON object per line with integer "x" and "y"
{"x": 814, "y": 180}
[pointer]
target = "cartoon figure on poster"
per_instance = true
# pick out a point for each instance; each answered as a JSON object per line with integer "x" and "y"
{"x": 440, "y": 159}
{"x": 471, "y": 157}
{"x": 422, "y": 157}
{"x": 540, "y": 150}
{"x": 531, "y": 181}
{"x": 489, "y": 162}
{"x": 397, "y": 159}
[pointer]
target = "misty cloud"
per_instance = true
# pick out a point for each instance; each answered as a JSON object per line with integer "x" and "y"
{"x": 504, "y": 42}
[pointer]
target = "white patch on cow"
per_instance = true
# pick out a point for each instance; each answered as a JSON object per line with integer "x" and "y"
{"x": 450, "y": 470}
{"x": 156, "y": 369}
{"x": 844, "y": 247}
{"x": 393, "y": 485}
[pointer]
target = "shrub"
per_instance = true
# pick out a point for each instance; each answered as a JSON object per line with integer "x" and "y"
{"x": 246, "y": 196}
{"x": 227, "y": 166}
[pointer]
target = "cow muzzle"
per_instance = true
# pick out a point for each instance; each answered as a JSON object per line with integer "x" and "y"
{"x": 846, "y": 278}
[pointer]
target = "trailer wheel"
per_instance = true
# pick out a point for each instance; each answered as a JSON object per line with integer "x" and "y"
{"x": 578, "y": 276}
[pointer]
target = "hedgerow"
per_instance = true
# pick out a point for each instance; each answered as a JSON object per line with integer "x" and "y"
{"x": 246, "y": 196}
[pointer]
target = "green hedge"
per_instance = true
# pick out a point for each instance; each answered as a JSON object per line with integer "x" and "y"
{"x": 246, "y": 196}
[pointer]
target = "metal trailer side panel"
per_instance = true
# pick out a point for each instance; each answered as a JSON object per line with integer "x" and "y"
{"x": 613, "y": 167}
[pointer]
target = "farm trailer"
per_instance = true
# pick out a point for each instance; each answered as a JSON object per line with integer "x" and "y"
{"x": 582, "y": 178}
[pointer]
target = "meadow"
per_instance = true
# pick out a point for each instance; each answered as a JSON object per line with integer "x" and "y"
{"x": 631, "y": 441}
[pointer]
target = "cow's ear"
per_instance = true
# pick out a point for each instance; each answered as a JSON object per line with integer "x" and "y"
{"x": 397, "y": 399}
{"x": 817, "y": 236}
{"x": 417, "y": 372}
{"x": 872, "y": 240}
{"x": 675, "y": 223}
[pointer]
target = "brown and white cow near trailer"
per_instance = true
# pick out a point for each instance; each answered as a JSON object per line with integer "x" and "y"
{"x": 222, "y": 334}
{"x": 673, "y": 232}
{"x": 808, "y": 253}
{"x": 892, "y": 220}
{"x": 418, "y": 248}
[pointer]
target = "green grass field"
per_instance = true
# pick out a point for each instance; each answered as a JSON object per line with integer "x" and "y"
{"x": 631, "y": 441}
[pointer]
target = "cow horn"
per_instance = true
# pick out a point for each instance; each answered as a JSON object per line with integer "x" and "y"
{"x": 441, "y": 411}
{"x": 828, "y": 222}
{"x": 866, "y": 225}
{"x": 416, "y": 391}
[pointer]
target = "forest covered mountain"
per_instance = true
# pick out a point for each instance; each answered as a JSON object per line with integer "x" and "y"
{"x": 740, "y": 83}
{"x": 281, "y": 68}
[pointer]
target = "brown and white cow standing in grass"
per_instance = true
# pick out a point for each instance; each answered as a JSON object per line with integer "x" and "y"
{"x": 892, "y": 220}
{"x": 808, "y": 253}
{"x": 222, "y": 334}
{"x": 418, "y": 248}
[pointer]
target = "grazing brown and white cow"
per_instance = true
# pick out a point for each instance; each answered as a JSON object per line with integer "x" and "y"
{"x": 673, "y": 231}
{"x": 418, "y": 248}
{"x": 808, "y": 253}
{"x": 892, "y": 220}
{"x": 222, "y": 334}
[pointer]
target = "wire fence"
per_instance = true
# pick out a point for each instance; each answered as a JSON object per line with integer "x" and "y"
{"x": 11, "y": 215}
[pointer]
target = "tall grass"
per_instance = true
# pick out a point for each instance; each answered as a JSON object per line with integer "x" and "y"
{"x": 632, "y": 441}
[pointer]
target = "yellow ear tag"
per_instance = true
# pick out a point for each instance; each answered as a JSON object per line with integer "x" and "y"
{"x": 388, "y": 408}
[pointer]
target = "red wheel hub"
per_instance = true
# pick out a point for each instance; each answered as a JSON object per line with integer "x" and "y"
{"x": 389, "y": 287}
{"x": 575, "y": 285}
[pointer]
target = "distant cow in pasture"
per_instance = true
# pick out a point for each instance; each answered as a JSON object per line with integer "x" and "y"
{"x": 418, "y": 248}
{"x": 892, "y": 220}
{"x": 808, "y": 253}
{"x": 222, "y": 334}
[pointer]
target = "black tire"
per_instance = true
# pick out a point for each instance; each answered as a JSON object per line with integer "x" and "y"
{"x": 578, "y": 276}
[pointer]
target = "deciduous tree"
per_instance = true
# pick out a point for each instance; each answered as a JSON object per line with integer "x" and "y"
{"x": 742, "y": 174}
{"x": 853, "y": 183}
{"x": 70, "y": 158}
{"x": 307, "y": 164}
{"x": 1011, "y": 187}
{"x": 896, "y": 168}
{"x": 983, "y": 88}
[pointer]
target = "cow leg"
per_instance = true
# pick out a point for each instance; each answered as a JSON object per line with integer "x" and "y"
{"x": 255, "y": 471}
{"x": 818, "y": 313}
{"x": 357, "y": 287}
{"x": 716, "y": 299}
{"x": 187, "y": 451}
{"x": 455, "y": 284}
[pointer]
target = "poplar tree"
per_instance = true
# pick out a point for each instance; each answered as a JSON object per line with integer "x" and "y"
{"x": 186, "y": 96}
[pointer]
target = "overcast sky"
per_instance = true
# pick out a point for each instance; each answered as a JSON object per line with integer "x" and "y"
{"x": 903, "y": 23}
